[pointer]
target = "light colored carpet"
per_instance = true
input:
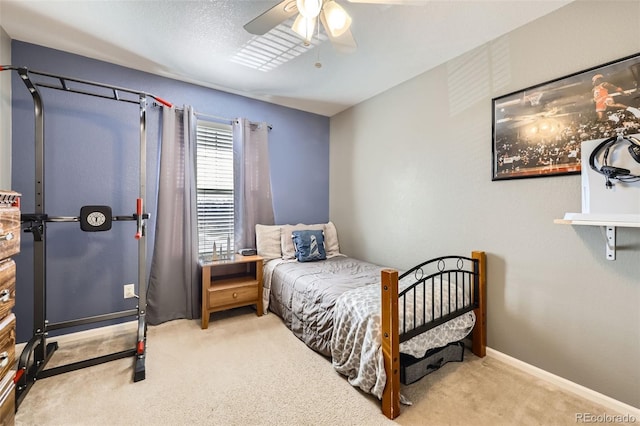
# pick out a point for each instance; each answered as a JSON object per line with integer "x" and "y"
{"x": 249, "y": 370}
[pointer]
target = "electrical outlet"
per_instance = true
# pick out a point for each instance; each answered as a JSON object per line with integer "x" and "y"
{"x": 129, "y": 291}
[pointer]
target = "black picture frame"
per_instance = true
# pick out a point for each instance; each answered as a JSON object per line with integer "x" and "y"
{"x": 537, "y": 131}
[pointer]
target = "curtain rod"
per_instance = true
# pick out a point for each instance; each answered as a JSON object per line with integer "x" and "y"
{"x": 215, "y": 117}
{"x": 225, "y": 119}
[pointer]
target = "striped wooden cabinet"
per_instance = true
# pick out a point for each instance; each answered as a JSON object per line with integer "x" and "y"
{"x": 9, "y": 246}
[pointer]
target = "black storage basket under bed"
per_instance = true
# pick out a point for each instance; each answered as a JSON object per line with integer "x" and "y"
{"x": 413, "y": 369}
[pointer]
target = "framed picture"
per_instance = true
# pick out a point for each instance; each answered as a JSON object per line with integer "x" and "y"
{"x": 538, "y": 131}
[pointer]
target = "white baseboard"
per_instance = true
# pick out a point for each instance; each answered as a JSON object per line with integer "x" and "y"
{"x": 567, "y": 385}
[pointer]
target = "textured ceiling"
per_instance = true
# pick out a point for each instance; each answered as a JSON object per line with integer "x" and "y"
{"x": 195, "y": 41}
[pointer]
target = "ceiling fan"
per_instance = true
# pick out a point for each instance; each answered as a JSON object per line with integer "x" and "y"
{"x": 335, "y": 20}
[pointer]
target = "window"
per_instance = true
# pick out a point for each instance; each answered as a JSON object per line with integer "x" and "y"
{"x": 214, "y": 164}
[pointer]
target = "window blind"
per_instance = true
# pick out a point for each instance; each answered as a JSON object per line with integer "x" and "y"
{"x": 214, "y": 181}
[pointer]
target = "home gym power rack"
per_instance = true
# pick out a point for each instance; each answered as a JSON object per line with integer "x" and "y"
{"x": 37, "y": 352}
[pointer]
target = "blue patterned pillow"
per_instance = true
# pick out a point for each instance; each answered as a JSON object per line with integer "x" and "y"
{"x": 309, "y": 245}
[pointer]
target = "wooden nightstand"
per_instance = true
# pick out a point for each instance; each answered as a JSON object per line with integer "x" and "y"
{"x": 230, "y": 284}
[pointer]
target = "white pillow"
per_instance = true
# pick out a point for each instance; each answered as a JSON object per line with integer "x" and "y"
{"x": 268, "y": 241}
{"x": 286, "y": 242}
{"x": 331, "y": 245}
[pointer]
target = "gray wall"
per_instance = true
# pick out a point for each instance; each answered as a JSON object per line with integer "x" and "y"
{"x": 5, "y": 112}
{"x": 410, "y": 178}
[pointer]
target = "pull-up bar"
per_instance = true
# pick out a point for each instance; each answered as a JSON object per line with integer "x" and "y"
{"x": 37, "y": 351}
{"x": 64, "y": 86}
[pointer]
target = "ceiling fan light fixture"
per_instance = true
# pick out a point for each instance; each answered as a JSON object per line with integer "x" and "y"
{"x": 304, "y": 27}
{"x": 337, "y": 19}
{"x": 310, "y": 9}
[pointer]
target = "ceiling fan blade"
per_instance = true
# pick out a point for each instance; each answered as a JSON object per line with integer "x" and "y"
{"x": 272, "y": 17}
{"x": 344, "y": 43}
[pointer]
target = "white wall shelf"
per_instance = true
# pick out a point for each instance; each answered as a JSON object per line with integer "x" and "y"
{"x": 625, "y": 221}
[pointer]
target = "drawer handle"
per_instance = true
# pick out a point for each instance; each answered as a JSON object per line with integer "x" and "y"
{"x": 4, "y": 357}
{"x": 235, "y": 295}
{"x": 5, "y": 296}
{"x": 6, "y": 237}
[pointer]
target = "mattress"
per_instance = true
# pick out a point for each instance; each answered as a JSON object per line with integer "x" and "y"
{"x": 304, "y": 294}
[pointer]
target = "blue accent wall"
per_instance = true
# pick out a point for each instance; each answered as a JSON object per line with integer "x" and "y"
{"x": 92, "y": 158}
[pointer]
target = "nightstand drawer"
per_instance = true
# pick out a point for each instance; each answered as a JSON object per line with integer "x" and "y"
{"x": 7, "y": 286}
{"x": 235, "y": 295}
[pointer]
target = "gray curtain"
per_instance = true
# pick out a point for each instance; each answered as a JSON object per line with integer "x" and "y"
{"x": 174, "y": 286}
{"x": 252, "y": 181}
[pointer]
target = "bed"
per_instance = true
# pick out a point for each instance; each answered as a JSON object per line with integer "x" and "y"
{"x": 362, "y": 315}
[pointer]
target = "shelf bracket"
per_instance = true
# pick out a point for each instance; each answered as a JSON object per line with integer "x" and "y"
{"x": 607, "y": 221}
{"x": 611, "y": 242}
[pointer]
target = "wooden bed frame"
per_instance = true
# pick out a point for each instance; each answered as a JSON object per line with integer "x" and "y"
{"x": 391, "y": 324}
